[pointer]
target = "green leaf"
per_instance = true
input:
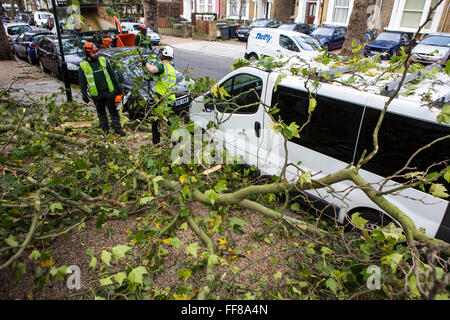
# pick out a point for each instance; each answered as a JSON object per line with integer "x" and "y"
{"x": 34, "y": 255}
{"x": 106, "y": 257}
{"x": 11, "y": 241}
{"x": 312, "y": 105}
{"x": 447, "y": 175}
{"x": 393, "y": 260}
{"x": 119, "y": 277}
{"x": 146, "y": 200}
{"x": 56, "y": 206}
{"x": 359, "y": 221}
{"x": 438, "y": 190}
{"x": 213, "y": 259}
{"x": 175, "y": 242}
{"x": 137, "y": 275}
{"x": 211, "y": 195}
{"x": 119, "y": 251}
{"x": 184, "y": 226}
{"x": 444, "y": 116}
{"x": 326, "y": 251}
{"x": 447, "y": 67}
{"x": 106, "y": 281}
{"x": 192, "y": 249}
{"x": 221, "y": 186}
{"x": 184, "y": 273}
{"x": 331, "y": 284}
{"x": 93, "y": 263}
{"x": 277, "y": 275}
{"x": 90, "y": 252}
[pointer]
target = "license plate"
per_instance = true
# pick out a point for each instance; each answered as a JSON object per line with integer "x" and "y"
{"x": 182, "y": 101}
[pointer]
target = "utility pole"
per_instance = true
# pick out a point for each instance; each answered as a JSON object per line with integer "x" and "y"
{"x": 65, "y": 72}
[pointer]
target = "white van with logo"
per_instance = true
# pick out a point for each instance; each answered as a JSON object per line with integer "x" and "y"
{"x": 278, "y": 42}
{"x": 338, "y": 132}
{"x": 41, "y": 18}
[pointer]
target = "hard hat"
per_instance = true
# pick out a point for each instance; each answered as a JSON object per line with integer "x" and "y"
{"x": 167, "y": 52}
{"x": 90, "y": 47}
{"x": 118, "y": 99}
{"x": 143, "y": 26}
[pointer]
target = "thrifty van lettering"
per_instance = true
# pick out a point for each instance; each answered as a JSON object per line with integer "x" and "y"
{"x": 265, "y": 37}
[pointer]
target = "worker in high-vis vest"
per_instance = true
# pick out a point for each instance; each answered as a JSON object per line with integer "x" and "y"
{"x": 142, "y": 40}
{"x": 99, "y": 82}
{"x": 165, "y": 83}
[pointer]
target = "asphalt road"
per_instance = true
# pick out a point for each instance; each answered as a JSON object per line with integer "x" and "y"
{"x": 201, "y": 65}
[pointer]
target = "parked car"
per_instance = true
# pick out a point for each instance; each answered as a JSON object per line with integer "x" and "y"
{"x": 299, "y": 27}
{"x": 244, "y": 31}
{"x": 133, "y": 69}
{"x": 49, "y": 55}
{"x": 275, "y": 42}
{"x": 388, "y": 42}
{"x": 14, "y": 29}
{"x": 434, "y": 48}
{"x": 135, "y": 28}
{"x": 24, "y": 46}
{"x": 21, "y": 17}
{"x": 4, "y": 17}
{"x": 331, "y": 37}
{"x": 41, "y": 18}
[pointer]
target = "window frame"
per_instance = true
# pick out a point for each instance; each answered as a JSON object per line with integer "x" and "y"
{"x": 397, "y": 15}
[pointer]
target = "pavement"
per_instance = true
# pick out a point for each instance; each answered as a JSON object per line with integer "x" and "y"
{"x": 229, "y": 49}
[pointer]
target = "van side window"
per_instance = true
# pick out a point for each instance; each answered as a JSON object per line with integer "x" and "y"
{"x": 288, "y": 43}
{"x": 398, "y": 139}
{"x": 245, "y": 94}
{"x": 334, "y": 124}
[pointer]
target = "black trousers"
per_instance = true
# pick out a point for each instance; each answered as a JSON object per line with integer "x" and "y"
{"x": 106, "y": 99}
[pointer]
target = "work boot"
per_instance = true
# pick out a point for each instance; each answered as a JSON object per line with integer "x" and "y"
{"x": 120, "y": 132}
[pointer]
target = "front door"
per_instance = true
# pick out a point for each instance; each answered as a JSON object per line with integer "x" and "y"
{"x": 310, "y": 12}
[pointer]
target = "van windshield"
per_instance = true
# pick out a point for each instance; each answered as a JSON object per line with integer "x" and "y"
{"x": 306, "y": 43}
{"x": 45, "y": 15}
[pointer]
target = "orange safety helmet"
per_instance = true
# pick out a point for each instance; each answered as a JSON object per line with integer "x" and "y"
{"x": 143, "y": 26}
{"x": 90, "y": 47}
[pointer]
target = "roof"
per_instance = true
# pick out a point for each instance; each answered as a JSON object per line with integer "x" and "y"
{"x": 283, "y": 31}
{"x": 424, "y": 86}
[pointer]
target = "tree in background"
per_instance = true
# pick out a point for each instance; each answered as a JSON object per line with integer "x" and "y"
{"x": 12, "y": 11}
{"x": 5, "y": 51}
{"x": 357, "y": 25}
{"x": 150, "y": 8}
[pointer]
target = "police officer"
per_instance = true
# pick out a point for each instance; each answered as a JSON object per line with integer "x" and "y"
{"x": 98, "y": 80}
{"x": 142, "y": 40}
{"x": 165, "y": 82}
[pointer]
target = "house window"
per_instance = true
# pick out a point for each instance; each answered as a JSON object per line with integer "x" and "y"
{"x": 205, "y": 6}
{"x": 341, "y": 11}
{"x": 237, "y": 8}
{"x": 413, "y": 13}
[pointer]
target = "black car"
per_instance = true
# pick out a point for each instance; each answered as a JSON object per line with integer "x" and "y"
{"x": 130, "y": 59}
{"x": 299, "y": 27}
{"x": 24, "y": 46}
{"x": 49, "y": 55}
{"x": 244, "y": 32}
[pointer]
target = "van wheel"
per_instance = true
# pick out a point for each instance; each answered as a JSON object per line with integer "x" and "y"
{"x": 326, "y": 46}
{"x": 376, "y": 219}
{"x": 252, "y": 57}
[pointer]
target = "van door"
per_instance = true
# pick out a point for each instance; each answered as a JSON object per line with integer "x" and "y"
{"x": 287, "y": 46}
{"x": 240, "y": 116}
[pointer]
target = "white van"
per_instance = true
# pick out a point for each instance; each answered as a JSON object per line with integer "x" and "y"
{"x": 278, "y": 42}
{"x": 339, "y": 130}
{"x": 41, "y": 18}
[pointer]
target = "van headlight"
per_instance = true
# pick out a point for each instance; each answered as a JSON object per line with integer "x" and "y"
{"x": 72, "y": 67}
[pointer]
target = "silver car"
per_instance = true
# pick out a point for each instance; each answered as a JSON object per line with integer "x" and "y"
{"x": 434, "y": 48}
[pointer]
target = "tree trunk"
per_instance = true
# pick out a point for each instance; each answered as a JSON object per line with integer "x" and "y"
{"x": 151, "y": 14}
{"x": 5, "y": 51}
{"x": 12, "y": 12}
{"x": 20, "y": 5}
{"x": 357, "y": 25}
{"x": 33, "y": 6}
